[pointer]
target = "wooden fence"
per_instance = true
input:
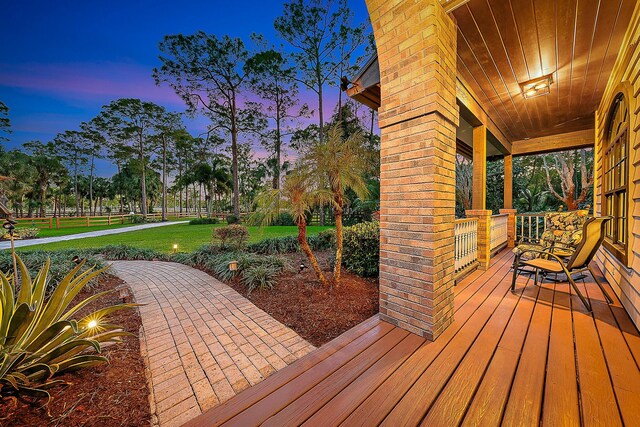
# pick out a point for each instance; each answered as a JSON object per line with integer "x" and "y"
{"x": 94, "y": 221}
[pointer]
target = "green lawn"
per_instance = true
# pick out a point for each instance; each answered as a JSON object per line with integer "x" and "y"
{"x": 45, "y": 232}
{"x": 188, "y": 237}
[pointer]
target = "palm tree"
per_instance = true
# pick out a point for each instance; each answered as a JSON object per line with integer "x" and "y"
{"x": 342, "y": 163}
{"x": 299, "y": 194}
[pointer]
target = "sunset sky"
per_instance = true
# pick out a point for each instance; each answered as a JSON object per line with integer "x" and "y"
{"x": 61, "y": 61}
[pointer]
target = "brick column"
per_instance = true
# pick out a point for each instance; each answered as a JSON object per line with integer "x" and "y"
{"x": 484, "y": 235}
{"x": 511, "y": 226}
{"x": 416, "y": 43}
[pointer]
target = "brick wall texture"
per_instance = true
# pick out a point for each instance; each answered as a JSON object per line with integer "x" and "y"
{"x": 418, "y": 117}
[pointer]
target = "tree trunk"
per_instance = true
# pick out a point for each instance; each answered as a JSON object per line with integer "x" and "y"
{"x": 234, "y": 158}
{"x": 143, "y": 178}
{"x": 304, "y": 245}
{"x": 164, "y": 178}
{"x": 200, "y": 200}
{"x": 75, "y": 185}
{"x": 320, "y": 134}
{"x": 338, "y": 217}
{"x": 91, "y": 211}
{"x": 43, "y": 201}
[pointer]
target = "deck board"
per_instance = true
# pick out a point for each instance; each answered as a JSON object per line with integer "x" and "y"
{"x": 561, "y": 403}
{"x": 530, "y": 357}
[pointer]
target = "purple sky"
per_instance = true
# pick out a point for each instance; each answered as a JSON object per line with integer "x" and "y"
{"x": 60, "y": 64}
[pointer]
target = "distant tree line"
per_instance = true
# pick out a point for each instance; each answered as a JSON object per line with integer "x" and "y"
{"x": 544, "y": 182}
{"x": 249, "y": 90}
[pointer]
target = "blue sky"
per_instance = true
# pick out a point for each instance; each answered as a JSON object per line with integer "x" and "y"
{"x": 61, "y": 61}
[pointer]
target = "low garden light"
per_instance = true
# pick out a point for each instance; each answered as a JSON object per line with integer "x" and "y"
{"x": 233, "y": 265}
{"x": 302, "y": 267}
{"x": 175, "y": 248}
{"x": 123, "y": 292}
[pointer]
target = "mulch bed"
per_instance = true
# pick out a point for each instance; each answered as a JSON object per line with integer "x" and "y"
{"x": 113, "y": 394}
{"x": 317, "y": 314}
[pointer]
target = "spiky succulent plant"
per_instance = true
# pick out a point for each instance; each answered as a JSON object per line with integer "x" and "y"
{"x": 41, "y": 337}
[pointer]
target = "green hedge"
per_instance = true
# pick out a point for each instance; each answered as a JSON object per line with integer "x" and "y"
{"x": 281, "y": 245}
{"x": 204, "y": 221}
{"x": 361, "y": 249}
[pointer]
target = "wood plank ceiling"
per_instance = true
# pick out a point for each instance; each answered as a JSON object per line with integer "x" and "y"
{"x": 502, "y": 43}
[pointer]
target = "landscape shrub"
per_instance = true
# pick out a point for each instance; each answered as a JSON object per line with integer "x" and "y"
{"x": 323, "y": 241}
{"x": 288, "y": 244}
{"x": 255, "y": 271}
{"x": 275, "y": 245}
{"x": 234, "y": 236}
{"x": 118, "y": 252}
{"x": 61, "y": 263}
{"x": 261, "y": 276}
{"x": 232, "y": 219}
{"x": 361, "y": 248}
{"x": 40, "y": 338}
{"x": 24, "y": 233}
{"x": 284, "y": 219}
{"x": 204, "y": 221}
{"x": 137, "y": 219}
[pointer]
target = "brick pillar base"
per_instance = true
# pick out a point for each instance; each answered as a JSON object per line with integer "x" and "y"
{"x": 511, "y": 226}
{"x": 484, "y": 235}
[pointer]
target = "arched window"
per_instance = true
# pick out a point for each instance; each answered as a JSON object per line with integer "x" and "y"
{"x": 615, "y": 197}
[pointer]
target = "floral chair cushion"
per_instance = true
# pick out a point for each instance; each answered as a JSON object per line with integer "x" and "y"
{"x": 563, "y": 230}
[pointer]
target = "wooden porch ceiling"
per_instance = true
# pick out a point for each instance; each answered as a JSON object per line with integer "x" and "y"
{"x": 504, "y": 43}
{"x": 526, "y": 358}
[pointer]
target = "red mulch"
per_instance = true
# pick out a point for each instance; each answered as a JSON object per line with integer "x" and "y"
{"x": 113, "y": 394}
{"x": 317, "y": 314}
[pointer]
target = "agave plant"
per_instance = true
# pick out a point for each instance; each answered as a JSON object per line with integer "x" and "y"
{"x": 40, "y": 337}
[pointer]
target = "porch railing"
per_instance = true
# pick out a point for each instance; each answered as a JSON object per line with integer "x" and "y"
{"x": 499, "y": 231}
{"x": 530, "y": 226}
{"x": 466, "y": 243}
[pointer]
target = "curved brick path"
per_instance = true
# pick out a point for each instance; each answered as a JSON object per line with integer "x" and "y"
{"x": 202, "y": 341}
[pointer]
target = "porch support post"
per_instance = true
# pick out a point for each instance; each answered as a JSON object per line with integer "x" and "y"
{"x": 508, "y": 181}
{"x": 484, "y": 235}
{"x": 511, "y": 226}
{"x": 479, "y": 194}
{"x": 416, "y": 43}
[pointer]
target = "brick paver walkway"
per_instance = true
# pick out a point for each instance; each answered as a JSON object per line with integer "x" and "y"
{"x": 202, "y": 341}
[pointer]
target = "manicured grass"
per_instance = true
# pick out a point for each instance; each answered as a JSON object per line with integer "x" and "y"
{"x": 188, "y": 237}
{"x": 45, "y": 232}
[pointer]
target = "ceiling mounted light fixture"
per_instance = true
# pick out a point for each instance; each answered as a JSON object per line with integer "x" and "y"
{"x": 537, "y": 87}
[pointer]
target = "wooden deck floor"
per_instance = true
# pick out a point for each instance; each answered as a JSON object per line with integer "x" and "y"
{"x": 525, "y": 358}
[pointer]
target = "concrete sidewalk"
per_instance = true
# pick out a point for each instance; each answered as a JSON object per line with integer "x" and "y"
{"x": 44, "y": 240}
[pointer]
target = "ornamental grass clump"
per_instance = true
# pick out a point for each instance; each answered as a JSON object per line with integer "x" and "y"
{"x": 261, "y": 276}
{"x": 41, "y": 338}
